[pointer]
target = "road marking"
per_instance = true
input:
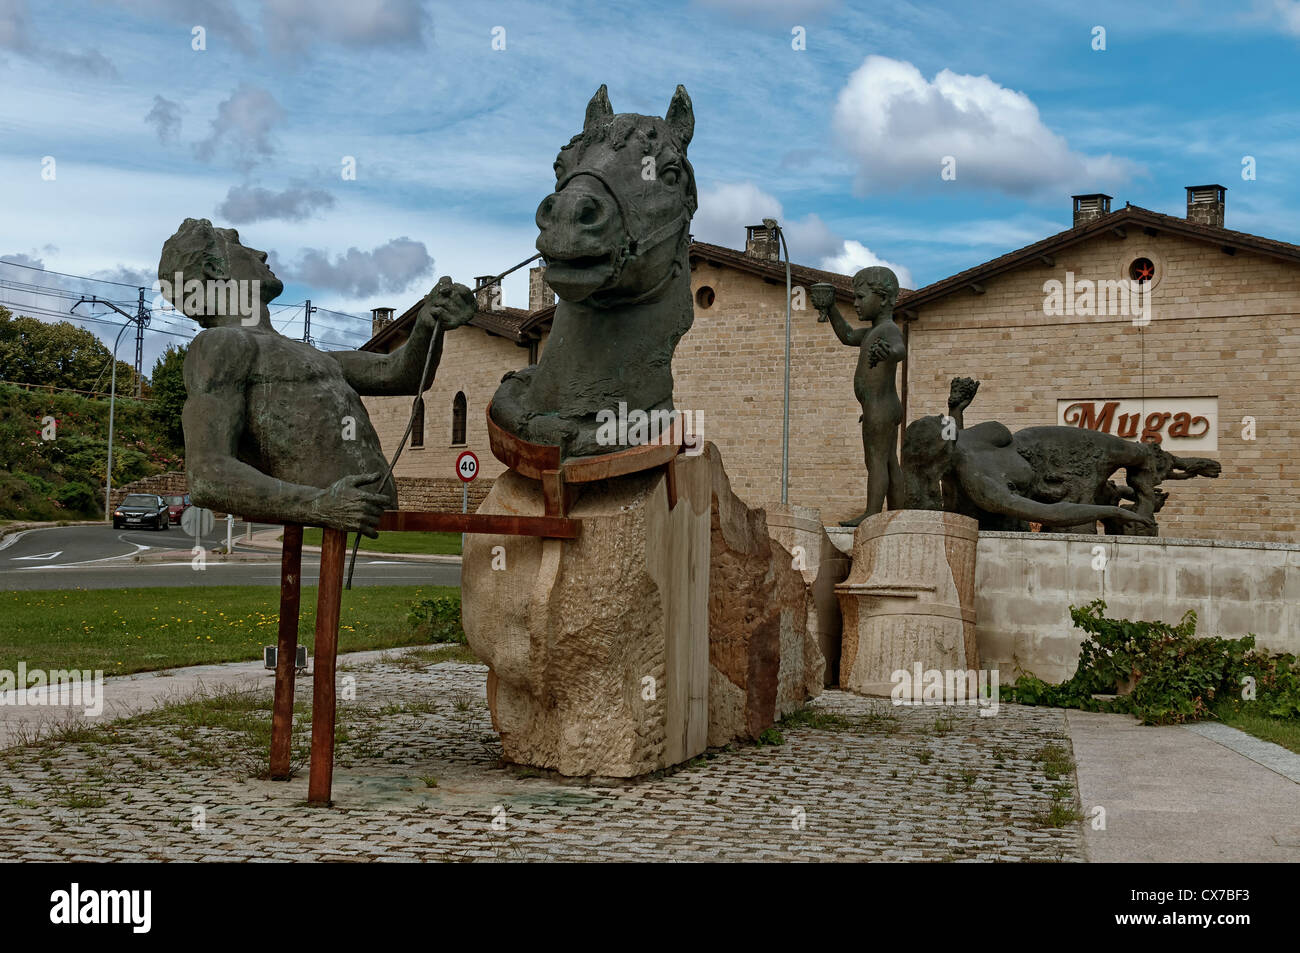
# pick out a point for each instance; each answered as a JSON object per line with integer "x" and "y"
{"x": 11, "y": 539}
{"x": 54, "y": 555}
{"x": 87, "y": 562}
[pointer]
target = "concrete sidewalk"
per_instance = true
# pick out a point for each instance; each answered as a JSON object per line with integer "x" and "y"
{"x": 28, "y": 714}
{"x": 1184, "y": 794}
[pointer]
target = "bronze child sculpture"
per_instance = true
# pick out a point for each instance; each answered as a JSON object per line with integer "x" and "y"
{"x": 881, "y": 348}
{"x": 275, "y": 430}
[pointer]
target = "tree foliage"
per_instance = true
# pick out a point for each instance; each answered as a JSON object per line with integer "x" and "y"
{"x": 168, "y": 382}
{"x": 56, "y": 353}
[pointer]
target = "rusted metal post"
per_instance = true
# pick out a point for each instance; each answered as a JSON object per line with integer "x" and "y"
{"x": 332, "y": 557}
{"x": 286, "y": 651}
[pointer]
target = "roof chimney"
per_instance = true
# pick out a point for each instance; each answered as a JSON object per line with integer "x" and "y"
{"x": 540, "y": 294}
{"x": 1089, "y": 208}
{"x": 761, "y": 242}
{"x": 488, "y": 295}
{"x": 379, "y": 318}
{"x": 1205, "y": 204}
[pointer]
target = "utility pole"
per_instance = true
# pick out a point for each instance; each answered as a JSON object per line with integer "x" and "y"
{"x": 141, "y": 322}
{"x": 306, "y": 323}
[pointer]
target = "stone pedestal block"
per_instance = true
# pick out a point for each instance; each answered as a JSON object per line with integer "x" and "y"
{"x": 598, "y": 647}
{"x": 800, "y": 532}
{"x": 763, "y": 661}
{"x": 653, "y": 634}
{"x": 909, "y": 598}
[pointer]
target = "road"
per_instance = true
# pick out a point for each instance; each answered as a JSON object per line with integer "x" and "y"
{"x": 100, "y": 557}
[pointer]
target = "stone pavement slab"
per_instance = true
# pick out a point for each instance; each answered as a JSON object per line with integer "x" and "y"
{"x": 1173, "y": 795}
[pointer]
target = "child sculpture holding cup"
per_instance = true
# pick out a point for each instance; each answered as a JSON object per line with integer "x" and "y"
{"x": 881, "y": 348}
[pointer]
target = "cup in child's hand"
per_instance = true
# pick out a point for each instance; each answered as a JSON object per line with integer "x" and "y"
{"x": 822, "y": 295}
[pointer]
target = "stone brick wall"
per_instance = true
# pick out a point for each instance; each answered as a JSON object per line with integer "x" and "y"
{"x": 171, "y": 483}
{"x": 1026, "y": 582}
{"x": 473, "y": 362}
{"x": 1225, "y": 326}
{"x": 432, "y": 494}
{"x": 731, "y": 368}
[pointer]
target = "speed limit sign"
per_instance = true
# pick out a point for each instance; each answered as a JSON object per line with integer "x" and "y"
{"x": 467, "y": 466}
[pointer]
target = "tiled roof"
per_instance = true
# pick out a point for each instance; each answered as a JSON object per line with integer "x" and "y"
{"x": 1130, "y": 215}
{"x": 516, "y": 324}
{"x": 775, "y": 270}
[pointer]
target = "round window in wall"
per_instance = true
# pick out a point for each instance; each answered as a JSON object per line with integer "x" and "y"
{"x": 704, "y": 297}
{"x": 1142, "y": 270}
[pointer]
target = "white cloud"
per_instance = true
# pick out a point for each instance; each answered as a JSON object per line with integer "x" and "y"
{"x": 15, "y": 34}
{"x": 14, "y": 25}
{"x": 165, "y": 117}
{"x": 857, "y": 256}
{"x": 294, "y": 24}
{"x": 1288, "y": 14}
{"x": 249, "y": 203}
{"x": 243, "y": 125}
{"x": 726, "y": 209}
{"x": 390, "y": 268}
{"x": 898, "y": 126}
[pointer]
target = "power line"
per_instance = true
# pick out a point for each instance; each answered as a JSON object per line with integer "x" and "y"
{"x": 63, "y": 274}
{"x": 37, "y": 311}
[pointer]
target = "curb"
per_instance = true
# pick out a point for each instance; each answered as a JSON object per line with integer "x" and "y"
{"x": 14, "y": 528}
{"x": 274, "y": 545}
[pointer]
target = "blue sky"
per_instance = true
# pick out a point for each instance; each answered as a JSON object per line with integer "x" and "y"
{"x": 454, "y": 140}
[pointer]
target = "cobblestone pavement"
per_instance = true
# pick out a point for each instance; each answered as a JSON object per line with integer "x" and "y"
{"x": 419, "y": 778}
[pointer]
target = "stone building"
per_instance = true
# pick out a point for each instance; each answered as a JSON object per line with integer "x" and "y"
{"x": 1130, "y": 320}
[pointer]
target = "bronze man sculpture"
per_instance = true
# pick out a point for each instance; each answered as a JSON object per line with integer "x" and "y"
{"x": 881, "y": 348}
{"x": 275, "y": 430}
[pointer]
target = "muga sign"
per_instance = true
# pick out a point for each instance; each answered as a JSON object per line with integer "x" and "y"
{"x": 1179, "y": 424}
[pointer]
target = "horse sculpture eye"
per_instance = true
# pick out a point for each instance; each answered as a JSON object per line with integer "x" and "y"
{"x": 669, "y": 177}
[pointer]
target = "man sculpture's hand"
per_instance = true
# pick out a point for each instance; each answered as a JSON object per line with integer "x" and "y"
{"x": 451, "y": 304}
{"x": 344, "y": 505}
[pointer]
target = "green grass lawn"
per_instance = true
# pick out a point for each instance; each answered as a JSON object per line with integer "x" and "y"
{"x": 139, "y": 630}
{"x": 1280, "y": 731}
{"x": 405, "y": 543}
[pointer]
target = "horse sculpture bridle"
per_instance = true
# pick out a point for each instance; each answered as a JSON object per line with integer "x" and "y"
{"x": 632, "y": 246}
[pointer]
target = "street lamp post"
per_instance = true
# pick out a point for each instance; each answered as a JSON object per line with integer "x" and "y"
{"x": 776, "y": 230}
{"x": 112, "y": 397}
{"x": 112, "y": 401}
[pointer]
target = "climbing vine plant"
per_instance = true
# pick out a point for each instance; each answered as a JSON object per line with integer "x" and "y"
{"x": 1174, "y": 675}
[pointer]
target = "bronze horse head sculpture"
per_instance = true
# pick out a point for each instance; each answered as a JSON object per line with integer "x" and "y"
{"x": 614, "y": 235}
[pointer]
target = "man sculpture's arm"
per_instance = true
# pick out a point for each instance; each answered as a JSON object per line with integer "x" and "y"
{"x": 369, "y": 373}
{"x": 216, "y": 372}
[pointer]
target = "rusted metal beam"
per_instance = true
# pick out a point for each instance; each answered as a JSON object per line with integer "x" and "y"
{"x": 332, "y": 555}
{"x": 527, "y": 459}
{"x": 552, "y": 527}
{"x": 286, "y": 651}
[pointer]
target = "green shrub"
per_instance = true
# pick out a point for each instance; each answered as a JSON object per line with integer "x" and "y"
{"x": 78, "y": 498}
{"x": 440, "y": 616}
{"x": 1178, "y": 677}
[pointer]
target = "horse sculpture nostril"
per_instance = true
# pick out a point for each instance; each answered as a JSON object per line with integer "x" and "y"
{"x": 588, "y": 211}
{"x": 545, "y": 211}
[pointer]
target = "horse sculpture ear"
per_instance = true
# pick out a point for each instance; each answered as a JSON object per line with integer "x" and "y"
{"x": 681, "y": 116}
{"x": 599, "y": 110}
